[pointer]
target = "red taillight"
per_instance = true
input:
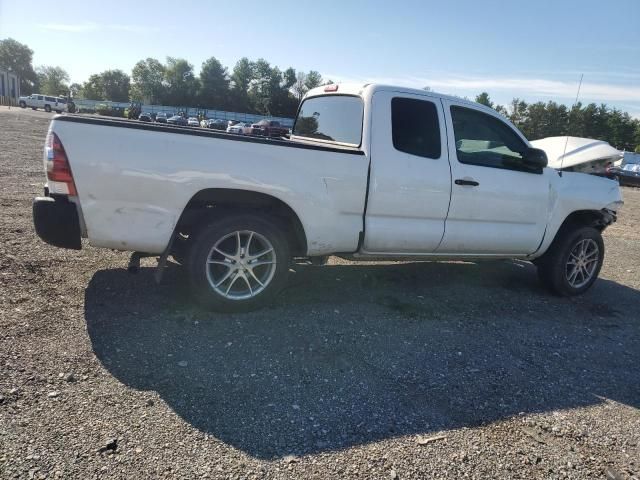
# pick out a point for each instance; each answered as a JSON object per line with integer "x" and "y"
{"x": 331, "y": 88}
{"x": 58, "y": 169}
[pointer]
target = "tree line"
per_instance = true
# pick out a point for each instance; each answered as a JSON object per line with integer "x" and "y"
{"x": 600, "y": 122}
{"x": 260, "y": 88}
{"x": 250, "y": 87}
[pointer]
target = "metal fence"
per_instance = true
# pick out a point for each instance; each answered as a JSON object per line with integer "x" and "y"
{"x": 8, "y": 101}
{"x": 189, "y": 111}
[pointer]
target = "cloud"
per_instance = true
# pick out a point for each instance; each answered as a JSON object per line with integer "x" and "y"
{"x": 601, "y": 92}
{"x": 72, "y": 27}
{"x": 85, "y": 27}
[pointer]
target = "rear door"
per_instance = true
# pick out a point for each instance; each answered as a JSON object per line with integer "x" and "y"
{"x": 497, "y": 205}
{"x": 410, "y": 179}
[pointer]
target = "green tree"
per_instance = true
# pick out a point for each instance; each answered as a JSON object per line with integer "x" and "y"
{"x": 539, "y": 120}
{"x": 305, "y": 82}
{"x": 518, "y": 112}
{"x": 557, "y": 117}
{"x": 17, "y": 57}
{"x": 75, "y": 89}
{"x": 241, "y": 78}
{"x": 483, "y": 99}
{"x": 110, "y": 85}
{"x": 181, "y": 84}
{"x": 52, "y": 80}
{"x": 283, "y": 102}
{"x": 92, "y": 88}
{"x": 313, "y": 80}
{"x": 214, "y": 85}
{"x": 502, "y": 110}
{"x": 534, "y": 123}
{"x": 260, "y": 89}
{"x": 147, "y": 79}
{"x": 299, "y": 88}
{"x": 115, "y": 85}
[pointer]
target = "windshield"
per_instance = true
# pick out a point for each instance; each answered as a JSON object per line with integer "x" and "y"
{"x": 336, "y": 118}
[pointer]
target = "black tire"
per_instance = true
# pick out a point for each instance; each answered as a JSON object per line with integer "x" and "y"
{"x": 34, "y": 108}
{"x": 23, "y": 104}
{"x": 47, "y": 108}
{"x": 553, "y": 266}
{"x": 58, "y": 111}
{"x": 206, "y": 238}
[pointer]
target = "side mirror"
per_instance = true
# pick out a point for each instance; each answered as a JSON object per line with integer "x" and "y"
{"x": 535, "y": 159}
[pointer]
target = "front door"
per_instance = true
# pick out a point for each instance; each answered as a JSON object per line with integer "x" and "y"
{"x": 410, "y": 179}
{"x": 497, "y": 206}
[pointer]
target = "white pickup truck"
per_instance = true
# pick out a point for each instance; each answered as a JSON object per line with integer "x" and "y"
{"x": 369, "y": 172}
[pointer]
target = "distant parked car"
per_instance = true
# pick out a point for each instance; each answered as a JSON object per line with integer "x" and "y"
{"x": 240, "y": 127}
{"x": 193, "y": 122}
{"x": 217, "y": 124}
{"x": 628, "y": 173}
{"x": 177, "y": 120}
{"x": 161, "y": 117}
{"x": 144, "y": 117}
{"x": 269, "y": 128}
{"x": 45, "y": 102}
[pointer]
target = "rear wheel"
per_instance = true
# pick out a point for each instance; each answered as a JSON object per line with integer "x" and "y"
{"x": 238, "y": 263}
{"x": 573, "y": 261}
{"x": 23, "y": 104}
{"x": 47, "y": 108}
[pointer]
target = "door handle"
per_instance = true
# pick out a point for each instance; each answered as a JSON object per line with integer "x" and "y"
{"x": 471, "y": 183}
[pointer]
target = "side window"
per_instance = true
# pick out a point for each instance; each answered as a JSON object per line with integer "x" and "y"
{"x": 486, "y": 141}
{"x": 415, "y": 127}
{"x": 50, "y": 99}
{"x": 39, "y": 97}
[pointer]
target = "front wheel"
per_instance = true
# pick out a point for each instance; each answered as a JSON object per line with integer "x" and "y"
{"x": 573, "y": 261}
{"x": 238, "y": 263}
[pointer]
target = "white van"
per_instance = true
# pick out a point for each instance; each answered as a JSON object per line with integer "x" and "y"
{"x": 45, "y": 102}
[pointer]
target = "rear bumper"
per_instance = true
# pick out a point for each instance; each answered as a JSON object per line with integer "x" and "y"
{"x": 56, "y": 222}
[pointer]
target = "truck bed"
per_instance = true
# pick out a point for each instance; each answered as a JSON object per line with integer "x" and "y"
{"x": 203, "y": 132}
{"x": 134, "y": 180}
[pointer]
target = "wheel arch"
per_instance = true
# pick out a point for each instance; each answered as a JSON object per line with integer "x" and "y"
{"x": 598, "y": 219}
{"x": 219, "y": 202}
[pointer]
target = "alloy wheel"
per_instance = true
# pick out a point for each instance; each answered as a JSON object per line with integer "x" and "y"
{"x": 241, "y": 265}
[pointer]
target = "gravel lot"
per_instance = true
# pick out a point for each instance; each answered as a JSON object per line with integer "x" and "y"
{"x": 406, "y": 370}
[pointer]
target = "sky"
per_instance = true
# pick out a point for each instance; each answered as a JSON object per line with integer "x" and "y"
{"x": 534, "y": 49}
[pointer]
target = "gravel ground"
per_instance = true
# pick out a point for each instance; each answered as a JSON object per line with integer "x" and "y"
{"x": 405, "y": 370}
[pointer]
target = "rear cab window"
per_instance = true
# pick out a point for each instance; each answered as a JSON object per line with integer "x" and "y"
{"x": 331, "y": 118}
